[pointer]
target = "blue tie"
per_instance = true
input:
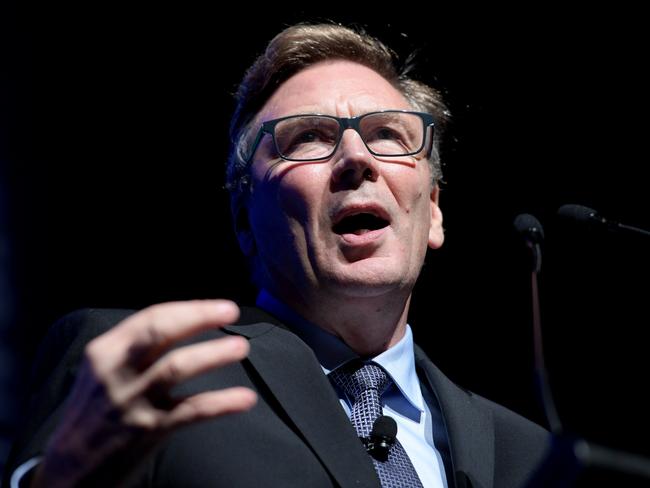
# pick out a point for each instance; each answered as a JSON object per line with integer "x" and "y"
{"x": 365, "y": 385}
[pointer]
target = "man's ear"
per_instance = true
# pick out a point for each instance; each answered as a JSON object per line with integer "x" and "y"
{"x": 243, "y": 228}
{"x": 436, "y": 231}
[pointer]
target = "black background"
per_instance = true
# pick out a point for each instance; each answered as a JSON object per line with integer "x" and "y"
{"x": 117, "y": 119}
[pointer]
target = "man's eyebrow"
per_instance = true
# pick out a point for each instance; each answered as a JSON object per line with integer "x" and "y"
{"x": 301, "y": 111}
{"x": 316, "y": 111}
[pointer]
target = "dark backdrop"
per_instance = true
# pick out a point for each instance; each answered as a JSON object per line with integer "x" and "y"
{"x": 117, "y": 120}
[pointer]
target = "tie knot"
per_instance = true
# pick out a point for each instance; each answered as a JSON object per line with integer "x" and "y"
{"x": 355, "y": 380}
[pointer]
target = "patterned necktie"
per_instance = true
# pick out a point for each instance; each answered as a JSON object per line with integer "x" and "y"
{"x": 365, "y": 386}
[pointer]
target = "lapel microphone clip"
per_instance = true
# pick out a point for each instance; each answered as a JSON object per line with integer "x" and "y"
{"x": 382, "y": 437}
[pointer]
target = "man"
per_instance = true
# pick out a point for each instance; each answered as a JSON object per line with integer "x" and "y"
{"x": 333, "y": 177}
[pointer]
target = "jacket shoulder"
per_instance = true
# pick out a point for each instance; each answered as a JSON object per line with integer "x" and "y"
{"x": 68, "y": 336}
{"x": 520, "y": 444}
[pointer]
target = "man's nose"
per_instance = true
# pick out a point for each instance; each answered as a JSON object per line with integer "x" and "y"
{"x": 353, "y": 162}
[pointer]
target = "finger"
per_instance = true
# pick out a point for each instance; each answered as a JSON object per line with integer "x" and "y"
{"x": 189, "y": 361}
{"x": 145, "y": 335}
{"x": 209, "y": 405}
{"x": 169, "y": 322}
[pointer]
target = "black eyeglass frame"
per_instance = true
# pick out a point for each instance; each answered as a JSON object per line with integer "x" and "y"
{"x": 345, "y": 123}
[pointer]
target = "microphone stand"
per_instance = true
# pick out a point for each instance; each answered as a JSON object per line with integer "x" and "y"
{"x": 568, "y": 455}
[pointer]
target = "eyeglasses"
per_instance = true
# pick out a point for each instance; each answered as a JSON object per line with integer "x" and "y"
{"x": 390, "y": 133}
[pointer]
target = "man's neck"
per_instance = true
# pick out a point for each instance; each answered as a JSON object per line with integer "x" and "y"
{"x": 368, "y": 325}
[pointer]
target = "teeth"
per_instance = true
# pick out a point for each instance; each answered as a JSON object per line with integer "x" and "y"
{"x": 359, "y": 224}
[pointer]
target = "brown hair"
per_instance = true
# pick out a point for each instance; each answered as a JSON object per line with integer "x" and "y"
{"x": 299, "y": 47}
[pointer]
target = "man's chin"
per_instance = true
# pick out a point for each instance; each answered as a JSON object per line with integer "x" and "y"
{"x": 366, "y": 281}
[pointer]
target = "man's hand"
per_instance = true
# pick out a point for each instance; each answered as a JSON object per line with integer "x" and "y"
{"x": 120, "y": 406}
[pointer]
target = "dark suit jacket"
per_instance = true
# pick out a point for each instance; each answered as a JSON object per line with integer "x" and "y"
{"x": 297, "y": 434}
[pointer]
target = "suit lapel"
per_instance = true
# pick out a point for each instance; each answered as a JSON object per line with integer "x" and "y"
{"x": 470, "y": 429}
{"x": 295, "y": 378}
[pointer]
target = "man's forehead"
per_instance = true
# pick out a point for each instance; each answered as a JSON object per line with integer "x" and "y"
{"x": 337, "y": 87}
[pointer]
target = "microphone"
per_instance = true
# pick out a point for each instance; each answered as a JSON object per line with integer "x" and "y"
{"x": 533, "y": 233}
{"x": 568, "y": 455}
{"x": 382, "y": 437}
{"x": 588, "y": 216}
{"x": 529, "y": 227}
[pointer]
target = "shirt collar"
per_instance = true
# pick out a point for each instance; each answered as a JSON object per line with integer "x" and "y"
{"x": 399, "y": 363}
{"x": 332, "y": 352}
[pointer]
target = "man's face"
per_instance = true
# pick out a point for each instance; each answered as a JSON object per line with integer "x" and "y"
{"x": 308, "y": 231}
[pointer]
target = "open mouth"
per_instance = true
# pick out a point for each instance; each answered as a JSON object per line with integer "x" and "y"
{"x": 359, "y": 224}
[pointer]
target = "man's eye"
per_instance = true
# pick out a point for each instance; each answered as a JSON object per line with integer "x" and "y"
{"x": 386, "y": 133}
{"x": 307, "y": 136}
{"x": 312, "y": 136}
